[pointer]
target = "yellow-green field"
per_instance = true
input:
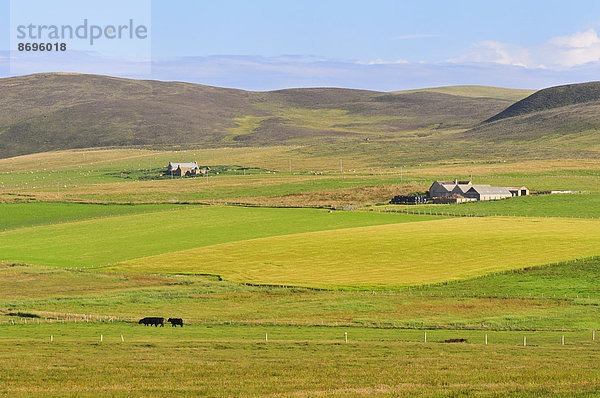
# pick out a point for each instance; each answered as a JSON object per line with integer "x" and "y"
{"x": 301, "y": 247}
{"x": 384, "y": 278}
{"x": 386, "y": 256}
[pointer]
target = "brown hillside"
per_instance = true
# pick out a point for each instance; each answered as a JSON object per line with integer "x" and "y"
{"x": 56, "y": 111}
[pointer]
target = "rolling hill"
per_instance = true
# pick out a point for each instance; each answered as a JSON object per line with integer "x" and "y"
{"x": 562, "y": 114}
{"x": 477, "y": 92}
{"x": 551, "y": 98}
{"x": 53, "y": 111}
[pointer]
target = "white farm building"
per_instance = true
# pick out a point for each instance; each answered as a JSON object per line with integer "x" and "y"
{"x": 466, "y": 189}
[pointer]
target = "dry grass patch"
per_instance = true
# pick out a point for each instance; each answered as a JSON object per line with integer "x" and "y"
{"x": 337, "y": 197}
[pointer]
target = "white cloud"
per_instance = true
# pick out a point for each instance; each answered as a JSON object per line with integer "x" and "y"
{"x": 270, "y": 73}
{"x": 568, "y": 51}
{"x": 562, "y": 52}
{"x": 577, "y": 40}
{"x": 496, "y": 52}
{"x": 380, "y": 61}
{"x": 418, "y": 36}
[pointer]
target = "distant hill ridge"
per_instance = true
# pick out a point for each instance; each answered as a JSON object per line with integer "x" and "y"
{"x": 53, "y": 111}
{"x": 550, "y": 98}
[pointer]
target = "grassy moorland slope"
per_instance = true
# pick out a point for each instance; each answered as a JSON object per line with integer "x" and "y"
{"x": 60, "y": 111}
{"x": 477, "y": 92}
{"x": 562, "y": 115}
{"x": 553, "y": 97}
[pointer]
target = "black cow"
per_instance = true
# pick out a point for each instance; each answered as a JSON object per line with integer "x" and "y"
{"x": 152, "y": 321}
{"x": 175, "y": 322}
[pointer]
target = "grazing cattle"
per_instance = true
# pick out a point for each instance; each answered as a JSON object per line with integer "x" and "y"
{"x": 455, "y": 341}
{"x": 152, "y": 321}
{"x": 175, "y": 322}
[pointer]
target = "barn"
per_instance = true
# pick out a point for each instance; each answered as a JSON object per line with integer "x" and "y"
{"x": 518, "y": 191}
{"x": 449, "y": 188}
{"x": 466, "y": 189}
{"x": 487, "y": 192}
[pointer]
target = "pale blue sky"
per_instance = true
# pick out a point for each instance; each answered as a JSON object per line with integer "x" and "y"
{"x": 365, "y": 30}
{"x": 383, "y": 45}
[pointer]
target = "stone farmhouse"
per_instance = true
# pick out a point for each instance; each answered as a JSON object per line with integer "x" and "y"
{"x": 461, "y": 191}
{"x": 185, "y": 169}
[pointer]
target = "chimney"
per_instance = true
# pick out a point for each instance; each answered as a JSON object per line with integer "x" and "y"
{"x": 456, "y": 180}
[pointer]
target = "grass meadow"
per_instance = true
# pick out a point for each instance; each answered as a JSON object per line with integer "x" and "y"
{"x": 93, "y": 240}
{"x": 295, "y": 361}
{"x": 292, "y": 342}
{"x": 551, "y": 297}
{"x": 285, "y": 174}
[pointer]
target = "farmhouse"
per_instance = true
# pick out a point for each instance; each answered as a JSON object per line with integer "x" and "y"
{"x": 184, "y": 169}
{"x": 453, "y": 191}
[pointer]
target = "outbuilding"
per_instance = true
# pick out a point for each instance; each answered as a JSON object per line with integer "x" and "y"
{"x": 183, "y": 169}
{"x": 487, "y": 192}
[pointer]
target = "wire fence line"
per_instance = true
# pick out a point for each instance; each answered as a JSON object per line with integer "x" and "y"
{"x": 425, "y": 212}
{"x": 549, "y": 321}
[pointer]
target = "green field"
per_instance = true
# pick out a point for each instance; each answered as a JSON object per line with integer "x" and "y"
{"x": 385, "y": 256}
{"x": 303, "y": 247}
{"x": 21, "y": 215}
{"x": 541, "y": 298}
{"x": 108, "y": 240}
{"x": 222, "y": 349}
{"x": 558, "y": 205}
{"x": 304, "y": 276}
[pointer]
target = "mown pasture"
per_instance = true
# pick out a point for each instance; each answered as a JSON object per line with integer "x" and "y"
{"x": 105, "y": 241}
{"x": 21, "y": 215}
{"x": 383, "y": 256}
{"x": 304, "y": 247}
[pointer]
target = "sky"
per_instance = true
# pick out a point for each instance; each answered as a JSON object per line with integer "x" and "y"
{"x": 265, "y": 45}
